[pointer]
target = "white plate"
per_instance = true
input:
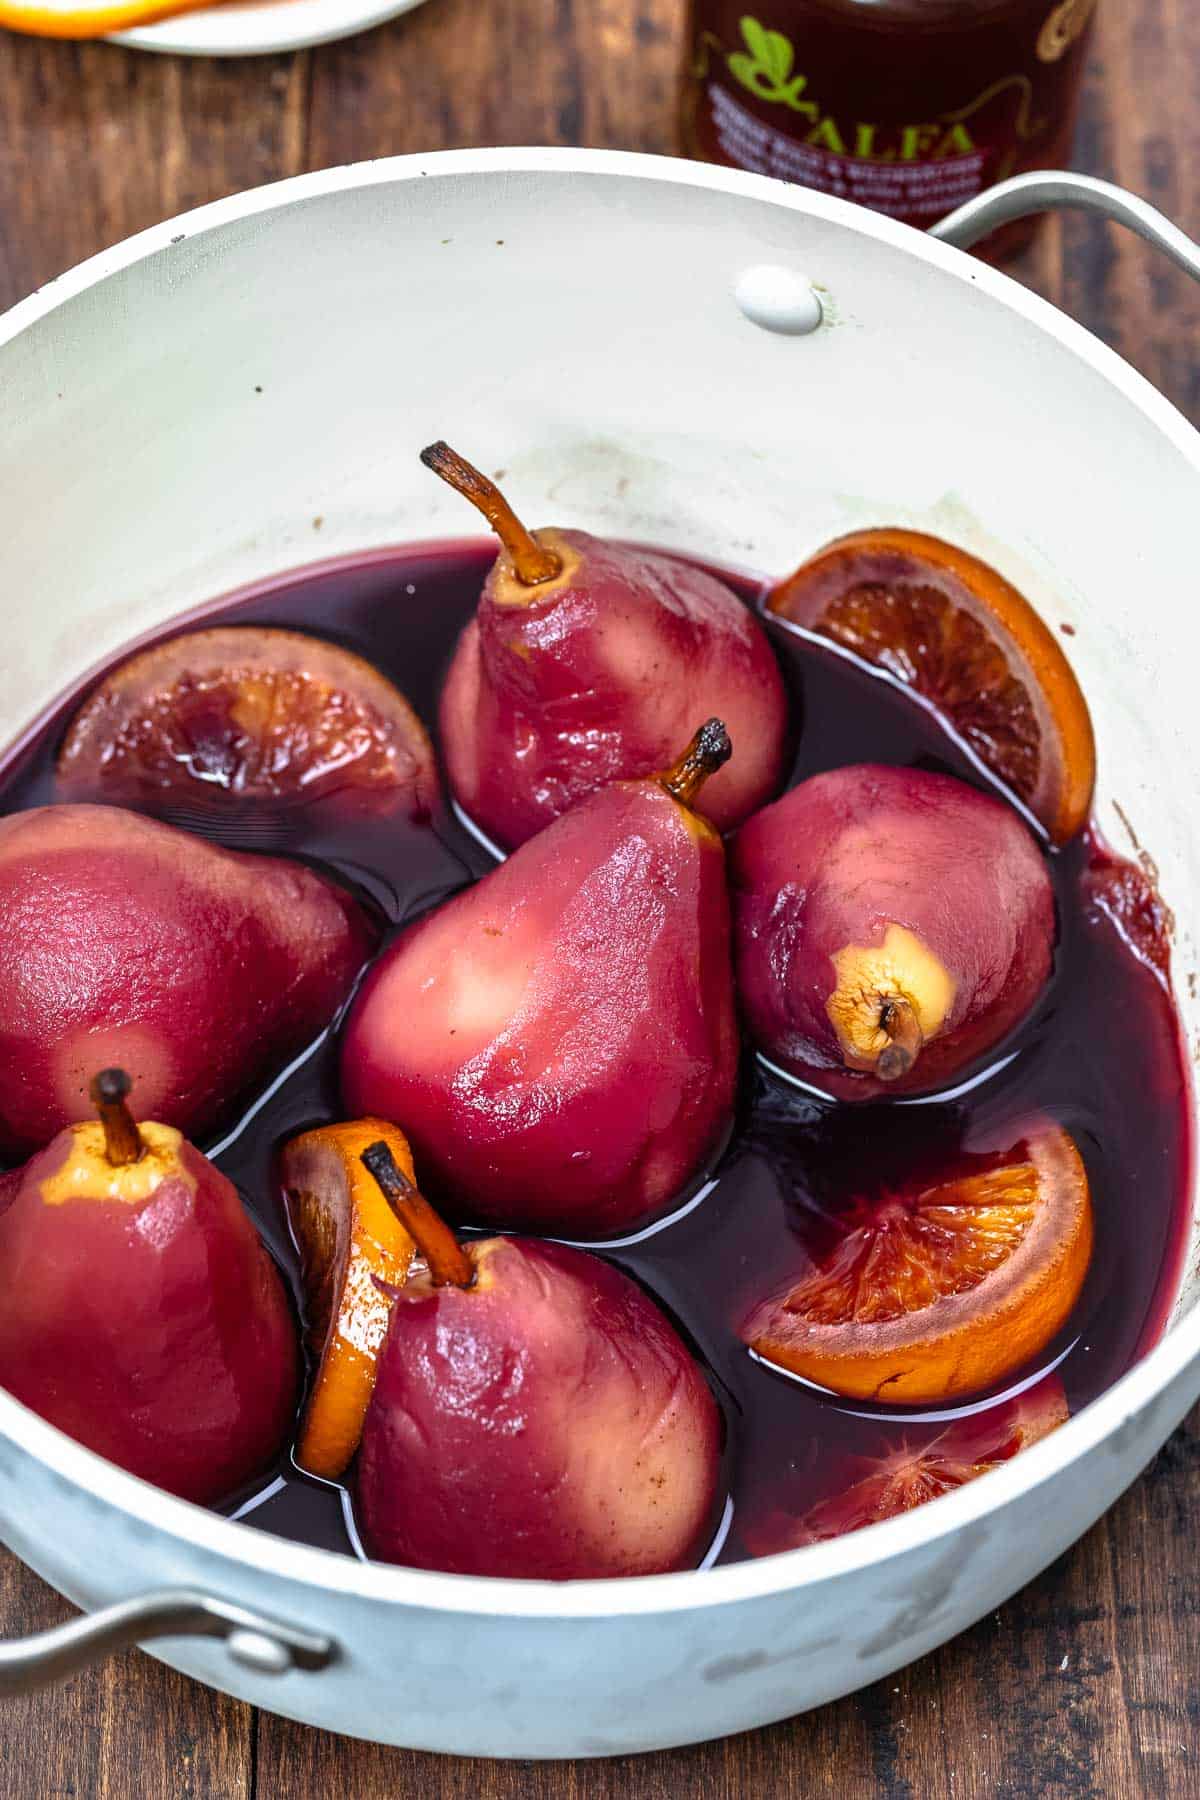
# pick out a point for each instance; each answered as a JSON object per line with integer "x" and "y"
{"x": 261, "y": 30}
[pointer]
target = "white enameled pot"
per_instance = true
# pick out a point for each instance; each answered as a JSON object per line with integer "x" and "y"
{"x": 177, "y": 414}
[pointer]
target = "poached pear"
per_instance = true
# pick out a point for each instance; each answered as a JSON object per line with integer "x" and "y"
{"x": 128, "y": 942}
{"x": 139, "y": 1310}
{"x": 585, "y": 664}
{"x": 891, "y": 925}
{"x": 534, "y": 1415}
{"x": 559, "y": 1041}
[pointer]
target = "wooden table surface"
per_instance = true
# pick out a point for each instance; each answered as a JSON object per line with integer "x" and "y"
{"x": 1085, "y": 1683}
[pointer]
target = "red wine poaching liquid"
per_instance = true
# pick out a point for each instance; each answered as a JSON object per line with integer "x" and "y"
{"x": 1102, "y": 1054}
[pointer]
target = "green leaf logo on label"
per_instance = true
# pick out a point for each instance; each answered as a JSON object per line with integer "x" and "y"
{"x": 768, "y": 66}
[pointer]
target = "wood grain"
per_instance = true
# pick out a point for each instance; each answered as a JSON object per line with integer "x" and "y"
{"x": 1085, "y": 1683}
{"x": 130, "y": 1727}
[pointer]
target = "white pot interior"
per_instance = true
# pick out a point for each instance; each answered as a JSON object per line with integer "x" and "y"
{"x": 177, "y": 426}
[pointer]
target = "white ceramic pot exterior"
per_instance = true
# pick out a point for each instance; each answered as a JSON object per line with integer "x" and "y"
{"x": 178, "y": 414}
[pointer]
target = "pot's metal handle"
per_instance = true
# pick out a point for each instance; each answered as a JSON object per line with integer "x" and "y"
{"x": 262, "y": 1645}
{"x": 1055, "y": 189}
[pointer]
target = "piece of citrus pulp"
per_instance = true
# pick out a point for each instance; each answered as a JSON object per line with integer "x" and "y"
{"x": 967, "y": 643}
{"x": 87, "y": 18}
{"x": 255, "y": 713}
{"x": 350, "y": 1241}
{"x": 942, "y": 1288}
{"x": 931, "y": 1461}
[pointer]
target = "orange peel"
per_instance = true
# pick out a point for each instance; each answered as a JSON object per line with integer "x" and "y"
{"x": 79, "y": 19}
{"x": 350, "y": 1241}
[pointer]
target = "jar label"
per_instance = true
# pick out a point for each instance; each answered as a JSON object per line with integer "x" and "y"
{"x": 889, "y": 176}
{"x": 755, "y": 105}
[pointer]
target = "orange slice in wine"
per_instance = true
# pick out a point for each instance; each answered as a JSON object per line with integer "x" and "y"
{"x": 969, "y": 645}
{"x": 943, "y": 1288}
{"x": 253, "y": 713}
{"x": 350, "y": 1241}
{"x": 929, "y": 1462}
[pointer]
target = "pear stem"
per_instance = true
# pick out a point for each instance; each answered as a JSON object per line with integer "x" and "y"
{"x": 532, "y": 562}
{"x": 708, "y": 750}
{"x": 449, "y": 1264}
{"x": 898, "y": 1018}
{"x": 109, "y": 1093}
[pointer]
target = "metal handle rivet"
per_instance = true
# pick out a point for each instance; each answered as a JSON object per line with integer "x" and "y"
{"x": 254, "y": 1650}
{"x": 779, "y": 299}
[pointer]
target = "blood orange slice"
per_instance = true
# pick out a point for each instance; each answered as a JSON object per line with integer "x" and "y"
{"x": 946, "y": 1287}
{"x": 249, "y": 712}
{"x": 349, "y": 1240}
{"x": 928, "y": 1462}
{"x": 961, "y": 636}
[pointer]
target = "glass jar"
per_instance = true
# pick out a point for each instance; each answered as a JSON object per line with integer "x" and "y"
{"x": 907, "y": 106}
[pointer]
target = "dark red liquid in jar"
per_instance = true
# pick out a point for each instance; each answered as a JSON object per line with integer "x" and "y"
{"x": 1102, "y": 1055}
{"x": 908, "y": 106}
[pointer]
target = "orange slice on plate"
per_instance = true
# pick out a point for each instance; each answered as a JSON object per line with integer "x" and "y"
{"x": 87, "y": 18}
{"x": 970, "y": 646}
{"x": 249, "y": 712}
{"x": 942, "y": 1289}
{"x": 350, "y": 1240}
{"x": 931, "y": 1461}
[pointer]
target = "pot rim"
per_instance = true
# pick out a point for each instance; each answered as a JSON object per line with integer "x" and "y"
{"x": 333, "y": 1571}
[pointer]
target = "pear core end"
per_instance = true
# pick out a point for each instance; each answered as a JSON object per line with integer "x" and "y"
{"x": 889, "y": 1000}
